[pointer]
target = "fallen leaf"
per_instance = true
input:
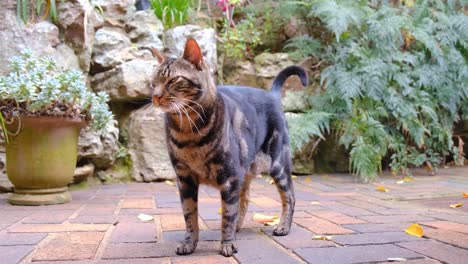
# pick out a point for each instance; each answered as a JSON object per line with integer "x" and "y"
{"x": 456, "y": 205}
{"x": 263, "y": 219}
{"x": 272, "y": 223}
{"x": 315, "y": 203}
{"x": 307, "y": 179}
{"x": 322, "y": 237}
{"x": 400, "y": 182}
{"x": 145, "y": 217}
{"x": 465, "y": 194}
{"x": 220, "y": 210}
{"x": 407, "y": 179}
{"x": 381, "y": 188}
{"x": 271, "y": 182}
{"x": 396, "y": 259}
{"x": 168, "y": 182}
{"x": 294, "y": 176}
{"x": 415, "y": 230}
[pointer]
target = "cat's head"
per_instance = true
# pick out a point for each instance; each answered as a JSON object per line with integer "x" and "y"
{"x": 184, "y": 81}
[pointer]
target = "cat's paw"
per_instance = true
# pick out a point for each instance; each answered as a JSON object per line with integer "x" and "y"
{"x": 281, "y": 231}
{"x": 228, "y": 249}
{"x": 185, "y": 248}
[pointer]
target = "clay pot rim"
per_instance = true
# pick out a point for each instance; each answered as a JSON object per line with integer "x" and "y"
{"x": 48, "y": 121}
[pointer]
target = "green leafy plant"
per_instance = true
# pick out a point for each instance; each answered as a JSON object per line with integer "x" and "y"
{"x": 171, "y": 12}
{"x": 36, "y": 87}
{"x": 396, "y": 80}
{"x": 47, "y": 8}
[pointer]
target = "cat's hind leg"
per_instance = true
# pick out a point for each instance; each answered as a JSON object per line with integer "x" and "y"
{"x": 281, "y": 174}
{"x": 244, "y": 200}
{"x": 188, "y": 189}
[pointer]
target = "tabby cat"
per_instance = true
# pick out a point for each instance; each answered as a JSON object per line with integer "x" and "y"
{"x": 222, "y": 136}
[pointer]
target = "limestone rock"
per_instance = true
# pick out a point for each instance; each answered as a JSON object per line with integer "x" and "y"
{"x": 130, "y": 80}
{"x": 83, "y": 172}
{"x": 145, "y": 29}
{"x": 42, "y": 37}
{"x": 100, "y": 150}
{"x": 78, "y": 21}
{"x": 5, "y": 184}
{"x": 111, "y": 48}
{"x": 268, "y": 65}
{"x": 241, "y": 73}
{"x": 294, "y": 101}
{"x": 175, "y": 39}
{"x": 147, "y": 146}
{"x": 116, "y": 12}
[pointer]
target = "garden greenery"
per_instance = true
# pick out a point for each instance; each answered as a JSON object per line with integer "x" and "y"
{"x": 171, "y": 12}
{"x": 36, "y": 87}
{"x": 395, "y": 82}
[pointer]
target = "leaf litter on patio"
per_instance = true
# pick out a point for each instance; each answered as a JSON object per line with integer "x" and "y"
{"x": 145, "y": 217}
{"x": 456, "y": 205}
{"x": 268, "y": 220}
{"x": 415, "y": 230}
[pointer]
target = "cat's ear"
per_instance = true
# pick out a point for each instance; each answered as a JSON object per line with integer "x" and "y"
{"x": 158, "y": 55}
{"x": 193, "y": 54}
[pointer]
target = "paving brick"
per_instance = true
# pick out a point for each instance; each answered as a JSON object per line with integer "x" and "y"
{"x": 321, "y": 227}
{"x": 300, "y": 237}
{"x": 462, "y": 228}
{"x": 47, "y": 218}
{"x": 95, "y": 219}
{"x": 14, "y": 254}
{"x": 265, "y": 202}
{"x": 70, "y": 246}
{"x": 374, "y": 238}
{"x": 447, "y": 236}
{"x": 172, "y": 222}
{"x": 396, "y": 218}
{"x": 249, "y": 252}
{"x": 336, "y": 218}
{"x": 154, "y": 250}
{"x": 437, "y": 250}
{"x": 53, "y": 228}
{"x": 356, "y": 254}
{"x": 348, "y": 210}
{"x": 97, "y": 211}
{"x": 134, "y": 232}
{"x": 370, "y": 228}
{"x": 3, "y": 226}
{"x": 138, "y": 203}
{"x": 136, "y": 212}
{"x": 20, "y": 239}
{"x": 416, "y": 261}
{"x": 13, "y": 216}
{"x": 134, "y": 261}
{"x": 365, "y": 205}
{"x": 218, "y": 259}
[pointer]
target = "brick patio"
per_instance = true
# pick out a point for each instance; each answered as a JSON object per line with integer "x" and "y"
{"x": 100, "y": 225}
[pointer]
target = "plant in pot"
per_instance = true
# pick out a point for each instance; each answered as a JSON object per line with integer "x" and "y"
{"x": 42, "y": 111}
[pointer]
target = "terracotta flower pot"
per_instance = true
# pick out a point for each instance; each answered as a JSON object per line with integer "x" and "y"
{"x": 41, "y": 159}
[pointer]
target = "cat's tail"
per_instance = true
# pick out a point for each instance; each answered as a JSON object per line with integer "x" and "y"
{"x": 285, "y": 74}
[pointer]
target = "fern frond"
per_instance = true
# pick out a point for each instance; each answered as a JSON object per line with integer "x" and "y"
{"x": 302, "y": 127}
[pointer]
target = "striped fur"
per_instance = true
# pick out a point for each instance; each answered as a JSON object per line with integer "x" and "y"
{"x": 222, "y": 136}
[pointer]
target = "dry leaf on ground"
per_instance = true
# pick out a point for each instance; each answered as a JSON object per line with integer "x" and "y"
{"x": 168, "y": 182}
{"x": 271, "y": 182}
{"x": 145, "y": 217}
{"x": 400, "y": 182}
{"x": 456, "y": 205}
{"x": 294, "y": 176}
{"x": 307, "y": 179}
{"x": 264, "y": 219}
{"x": 220, "y": 210}
{"x": 382, "y": 188}
{"x": 273, "y": 223}
{"x": 315, "y": 203}
{"x": 465, "y": 194}
{"x": 407, "y": 179}
{"x": 415, "y": 230}
{"x": 322, "y": 237}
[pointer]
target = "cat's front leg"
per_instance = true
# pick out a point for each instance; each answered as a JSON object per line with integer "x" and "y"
{"x": 230, "y": 204}
{"x": 188, "y": 189}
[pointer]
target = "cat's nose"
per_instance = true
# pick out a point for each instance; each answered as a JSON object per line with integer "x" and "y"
{"x": 156, "y": 100}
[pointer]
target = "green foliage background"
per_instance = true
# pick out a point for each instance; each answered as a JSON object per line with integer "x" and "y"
{"x": 395, "y": 81}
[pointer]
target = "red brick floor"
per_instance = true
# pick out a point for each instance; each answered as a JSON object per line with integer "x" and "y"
{"x": 100, "y": 225}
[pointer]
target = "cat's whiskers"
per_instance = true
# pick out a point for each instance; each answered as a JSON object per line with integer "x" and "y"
{"x": 198, "y": 104}
{"x": 179, "y": 113}
{"x": 187, "y": 105}
{"x": 191, "y": 122}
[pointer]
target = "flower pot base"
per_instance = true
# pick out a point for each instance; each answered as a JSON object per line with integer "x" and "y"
{"x": 40, "y": 197}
